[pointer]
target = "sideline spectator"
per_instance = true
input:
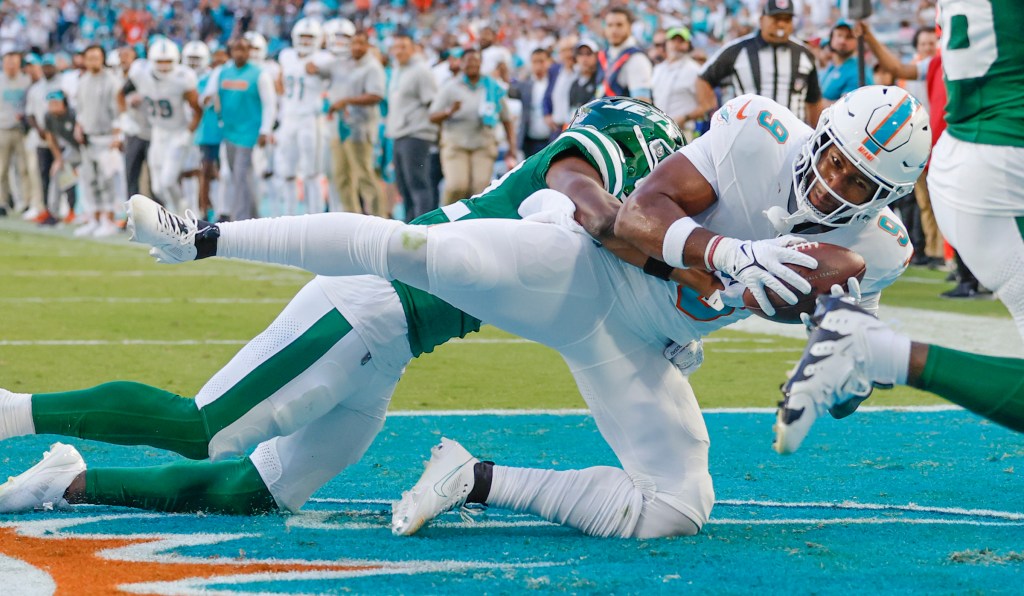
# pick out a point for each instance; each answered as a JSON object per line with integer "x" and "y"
{"x": 556, "y": 100}
{"x": 627, "y": 69}
{"x": 59, "y": 136}
{"x": 587, "y": 84}
{"x": 534, "y": 132}
{"x": 244, "y": 95}
{"x": 468, "y": 108}
{"x": 361, "y": 90}
{"x": 842, "y": 75}
{"x": 37, "y": 106}
{"x": 674, "y": 82}
{"x": 14, "y": 85}
{"x": 411, "y": 90}
{"x": 135, "y": 126}
{"x": 100, "y": 140}
{"x": 491, "y": 54}
{"x": 766, "y": 62}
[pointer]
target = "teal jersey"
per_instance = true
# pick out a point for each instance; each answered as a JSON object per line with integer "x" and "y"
{"x": 983, "y": 61}
{"x": 241, "y": 109}
{"x": 209, "y": 131}
{"x": 433, "y": 321}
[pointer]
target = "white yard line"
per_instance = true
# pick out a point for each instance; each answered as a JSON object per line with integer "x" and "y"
{"x": 972, "y": 333}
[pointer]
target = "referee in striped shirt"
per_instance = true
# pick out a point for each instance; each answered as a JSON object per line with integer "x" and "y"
{"x": 766, "y": 62}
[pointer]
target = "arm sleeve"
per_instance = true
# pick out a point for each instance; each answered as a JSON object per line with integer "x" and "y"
{"x": 268, "y": 99}
{"x": 440, "y": 100}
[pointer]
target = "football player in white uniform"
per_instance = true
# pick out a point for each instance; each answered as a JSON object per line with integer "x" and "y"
{"x": 759, "y": 173}
{"x": 171, "y": 103}
{"x": 337, "y": 39}
{"x": 298, "y": 135}
{"x": 262, "y": 157}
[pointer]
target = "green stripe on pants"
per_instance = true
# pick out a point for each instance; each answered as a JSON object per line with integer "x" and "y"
{"x": 278, "y": 370}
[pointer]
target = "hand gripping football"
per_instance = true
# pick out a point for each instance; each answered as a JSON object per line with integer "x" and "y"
{"x": 836, "y": 265}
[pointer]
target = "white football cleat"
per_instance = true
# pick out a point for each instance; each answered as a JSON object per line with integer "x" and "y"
{"x": 444, "y": 485}
{"x": 42, "y": 486}
{"x": 173, "y": 235}
{"x": 834, "y": 373}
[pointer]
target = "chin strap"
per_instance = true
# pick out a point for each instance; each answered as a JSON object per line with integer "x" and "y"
{"x": 782, "y": 220}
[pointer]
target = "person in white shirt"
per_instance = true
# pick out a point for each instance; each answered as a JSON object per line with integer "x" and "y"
{"x": 674, "y": 81}
{"x": 534, "y": 132}
{"x": 490, "y": 54}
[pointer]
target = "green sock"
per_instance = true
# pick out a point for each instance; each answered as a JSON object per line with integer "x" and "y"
{"x": 232, "y": 486}
{"x": 990, "y": 386}
{"x": 124, "y": 413}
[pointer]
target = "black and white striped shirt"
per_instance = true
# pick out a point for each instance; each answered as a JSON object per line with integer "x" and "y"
{"x": 784, "y": 72}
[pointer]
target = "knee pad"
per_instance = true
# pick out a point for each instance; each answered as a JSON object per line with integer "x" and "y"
{"x": 659, "y": 519}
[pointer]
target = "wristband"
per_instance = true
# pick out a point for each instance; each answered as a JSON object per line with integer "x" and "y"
{"x": 675, "y": 240}
{"x": 657, "y": 268}
{"x": 709, "y": 252}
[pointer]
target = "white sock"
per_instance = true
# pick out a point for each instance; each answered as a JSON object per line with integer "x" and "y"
{"x": 325, "y": 243}
{"x": 600, "y": 501}
{"x": 888, "y": 356}
{"x": 15, "y": 415}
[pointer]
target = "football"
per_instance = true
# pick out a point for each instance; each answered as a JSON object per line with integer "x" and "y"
{"x": 836, "y": 265}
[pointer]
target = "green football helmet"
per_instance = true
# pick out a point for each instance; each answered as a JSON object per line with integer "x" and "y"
{"x": 645, "y": 134}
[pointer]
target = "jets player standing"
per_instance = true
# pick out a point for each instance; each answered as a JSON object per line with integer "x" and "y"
{"x": 313, "y": 388}
{"x": 171, "y": 103}
{"x": 759, "y": 172}
{"x": 298, "y": 136}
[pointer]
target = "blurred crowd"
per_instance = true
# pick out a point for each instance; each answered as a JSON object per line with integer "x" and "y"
{"x": 390, "y": 108}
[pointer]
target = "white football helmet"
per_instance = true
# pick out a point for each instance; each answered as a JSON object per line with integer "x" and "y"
{"x": 257, "y": 46}
{"x": 196, "y": 55}
{"x": 307, "y": 36}
{"x": 337, "y": 33}
{"x": 884, "y": 132}
{"x": 164, "y": 55}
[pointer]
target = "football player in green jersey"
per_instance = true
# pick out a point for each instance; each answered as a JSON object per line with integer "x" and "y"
{"x": 976, "y": 181}
{"x": 308, "y": 395}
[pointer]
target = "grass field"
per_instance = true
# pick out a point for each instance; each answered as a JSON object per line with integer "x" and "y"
{"x": 924, "y": 501}
{"x": 78, "y": 313}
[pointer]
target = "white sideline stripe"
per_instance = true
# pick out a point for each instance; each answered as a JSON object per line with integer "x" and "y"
{"x": 1007, "y": 518}
{"x": 912, "y": 507}
{"x": 584, "y": 412}
{"x": 125, "y": 300}
{"x": 858, "y": 520}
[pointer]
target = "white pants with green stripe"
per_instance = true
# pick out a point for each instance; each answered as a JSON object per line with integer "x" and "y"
{"x": 608, "y": 320}
{"x": 309, "y": 392}
{"x": 977, "y": 194}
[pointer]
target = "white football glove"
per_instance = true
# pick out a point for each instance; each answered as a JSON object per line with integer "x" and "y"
{"x": 760, "y": 264}
{"x": 853, "y": 296}
{"x": 687, "y": 358}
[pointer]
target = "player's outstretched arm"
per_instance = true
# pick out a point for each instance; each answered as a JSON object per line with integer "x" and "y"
{"x": 657, "y": 219}
{"x": 596, "y": 210}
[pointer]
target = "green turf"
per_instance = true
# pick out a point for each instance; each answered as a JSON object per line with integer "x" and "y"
{"x": 57, "y": 288}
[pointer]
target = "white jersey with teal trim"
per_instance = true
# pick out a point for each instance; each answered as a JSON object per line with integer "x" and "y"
{"x": 163, "y": 95}
{"x": 747, "y": 157}
{"x": 303, "y": 92}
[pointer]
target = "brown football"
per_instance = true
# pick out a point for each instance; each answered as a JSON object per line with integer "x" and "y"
{"x": 836, "y": 265}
